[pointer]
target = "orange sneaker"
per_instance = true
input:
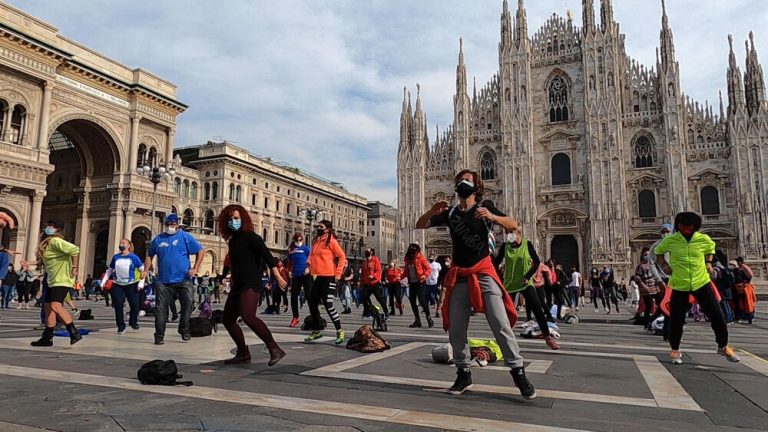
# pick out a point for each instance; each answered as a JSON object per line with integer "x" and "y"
{"x": 729, "y": 353}
{"x": 294, "y": 322}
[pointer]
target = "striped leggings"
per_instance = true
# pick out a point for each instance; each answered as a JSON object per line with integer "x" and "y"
{"x": 323, "y": 289}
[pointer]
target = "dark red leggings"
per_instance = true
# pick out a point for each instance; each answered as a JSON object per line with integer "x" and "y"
{"x": 243, "y": 305}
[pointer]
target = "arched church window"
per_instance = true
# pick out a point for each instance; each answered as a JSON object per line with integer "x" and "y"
{"x": 188, "y": 219}
{"x": 177, "y": 186}
{"x": 206, "y": 191}
{"x": 209, "y": 218}
{"x": 231, "y": 191}
{"x": 646, "y": 203}
{"x": 644, "y": 153}
{"x": 238, "y": 193}
{"x": 636, "y": 101}
{"x": 18, "y": 118}
{"x": 488, "y": 166}
{"x": 561, "y": 169}
{"x": 558, "y": 100}
{"x": 142, "y": 155}
{"x": 700, "y": 139}
{"x": 215, "y": 190}
{"x": 710, "y": 201}
{"x": 185, "y": 191}
{"x": 691, "y": 137}
{"x": 193, "y": 190}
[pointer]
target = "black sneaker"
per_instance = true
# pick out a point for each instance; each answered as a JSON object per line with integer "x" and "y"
{"x": 159, "y": 340}
{"x": 463, "y": 382}
{"x": 186, "y": 337}
{"x": 525, "y": 387}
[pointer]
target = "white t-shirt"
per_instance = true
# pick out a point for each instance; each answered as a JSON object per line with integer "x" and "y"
{"x": 575, "y": 279}
{"x": 433, "y": 275}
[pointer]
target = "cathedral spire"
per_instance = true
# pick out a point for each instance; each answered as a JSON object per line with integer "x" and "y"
{"x": 588, "y": 15}
{"x": 461, "y": 71}
{"x": 753, "y": 78}
{"x": 405, "y": 121}
{"x": 735, "y": 86}
{"x": 418, "y": 99}
{"x": 521, "y": 23}
{"x": 722, "y": 110}
{"x": 506, "y": 26}
{"x": 606, "y": 13}
{"x": 667, "y": 41}
{"x": 474, "y": 90}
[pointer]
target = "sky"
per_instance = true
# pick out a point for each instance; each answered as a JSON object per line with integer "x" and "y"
{"x": 319, "y": 84}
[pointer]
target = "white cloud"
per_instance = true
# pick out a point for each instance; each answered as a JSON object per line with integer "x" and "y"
{"x": 319, "y": 84}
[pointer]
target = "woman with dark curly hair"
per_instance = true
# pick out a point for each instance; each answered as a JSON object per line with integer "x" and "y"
{"x": 247, "y": 254}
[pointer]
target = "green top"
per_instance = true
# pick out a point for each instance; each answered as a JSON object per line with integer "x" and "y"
{"x": 517, "y": 263}
{"x": 57, "y": 259}
{"x": 687, "y": 260}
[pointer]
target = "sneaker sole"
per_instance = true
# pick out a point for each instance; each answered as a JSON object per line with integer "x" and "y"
{"x": 459, "y": 392}
{"x": 531, "y": 397}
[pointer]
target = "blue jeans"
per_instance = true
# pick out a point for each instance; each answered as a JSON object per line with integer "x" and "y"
{"x": 167, "y": 294}
{"x": 725, "y": 305}
{"x": 433, "y": 293}
{"x": 119, "y": 294}
{"x": 7, "y": 294}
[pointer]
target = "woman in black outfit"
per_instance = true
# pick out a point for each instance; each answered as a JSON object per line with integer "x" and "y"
{"x": 247, "y": 252}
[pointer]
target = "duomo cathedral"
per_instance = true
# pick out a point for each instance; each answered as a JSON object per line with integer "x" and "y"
{"x": 592, "y": 151}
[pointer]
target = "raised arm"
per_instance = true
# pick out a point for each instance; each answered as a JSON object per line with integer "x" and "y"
{"x": 425, "y": 221}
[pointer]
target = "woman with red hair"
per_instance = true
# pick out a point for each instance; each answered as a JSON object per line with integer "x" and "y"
{"x": 248, "y": 254}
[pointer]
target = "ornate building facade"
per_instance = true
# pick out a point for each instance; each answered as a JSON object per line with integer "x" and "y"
{"x": 592, "y": 151}
{"x": 75, "y": 125}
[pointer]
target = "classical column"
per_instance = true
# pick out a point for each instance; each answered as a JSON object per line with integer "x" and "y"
{"x": 115, "y": 231}
{"x": 133, "y": 145}
{"x": 6, "y": 123}
{"x": 128, "y": 226}
{"x": 169, "y": 148}
{"x": 33, "y": 229}
{"x": 45, "y": 111}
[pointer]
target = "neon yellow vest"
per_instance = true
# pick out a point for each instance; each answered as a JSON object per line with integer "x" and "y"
{"x": 517, "y": 262}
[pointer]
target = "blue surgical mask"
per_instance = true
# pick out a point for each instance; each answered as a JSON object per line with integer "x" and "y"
{"x": 235, "y": 224}
{"x": 49, "y": 231}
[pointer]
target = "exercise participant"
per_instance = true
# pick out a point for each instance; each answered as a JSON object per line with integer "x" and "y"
{"x": 416, "y": 269}
{"x": 326, "y": 262}
{"x": 126, "y": 285}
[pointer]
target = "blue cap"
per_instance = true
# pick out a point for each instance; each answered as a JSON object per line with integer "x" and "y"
{"x": 172, "y": 218}
{"x": 667, "y": 227}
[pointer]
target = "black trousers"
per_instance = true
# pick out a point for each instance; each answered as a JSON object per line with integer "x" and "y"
{"x": 678, "y": 308}
{"x": 395, "y": 296}
{"x": 297, "y": 284}
{"x": 377, "y": 292}
{"x": 533, "y": 304}
{"x": 418, "y": 291}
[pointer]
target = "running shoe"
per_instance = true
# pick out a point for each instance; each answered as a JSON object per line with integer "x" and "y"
{"x": 340, "y": 335}
{"x": 120, "y": 331}
{"x": 463, "y": 382}
{"x": 729, "y": 353}
{"x": 522, "y": 383}
{"x": 596, "y": 311}
{"x": 75, "y": 311}
{"x": 294, "y": 322}
{"x": 315, "y": 335}
{"x": 551, "y": 343}
{"x": 676, "y": 357}
{"x": 186, "y": 337}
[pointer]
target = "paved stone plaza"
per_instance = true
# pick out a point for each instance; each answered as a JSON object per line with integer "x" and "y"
{"x": 608, "y": 376}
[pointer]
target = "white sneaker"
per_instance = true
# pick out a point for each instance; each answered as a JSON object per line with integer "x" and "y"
{"x": 121, "y": 331}
{"x": 676, "y": 357}
{"x": 596, "y": 311}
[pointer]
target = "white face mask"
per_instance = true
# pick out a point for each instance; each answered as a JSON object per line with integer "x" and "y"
{"x": 170, "y": 230}
{"x": 299, "y": 243}
{"x": 512, "y": 238}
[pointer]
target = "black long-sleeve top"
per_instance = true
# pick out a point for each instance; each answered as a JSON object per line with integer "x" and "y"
{"x": 535, "y": 260}
{"x": 248, "y": 255}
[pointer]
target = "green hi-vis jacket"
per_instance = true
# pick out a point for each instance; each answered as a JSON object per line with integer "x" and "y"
{"x": 687, "y": 260}
{"x": 517, "y": 263}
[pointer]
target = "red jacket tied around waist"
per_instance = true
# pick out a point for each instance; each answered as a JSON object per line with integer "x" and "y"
{"x": 485, "y": 268}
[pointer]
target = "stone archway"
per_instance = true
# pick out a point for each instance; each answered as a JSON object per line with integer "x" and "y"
{"x": 565, "y": 251}
{"x": 140, "y": 238}
{"x": 86, "y": 158}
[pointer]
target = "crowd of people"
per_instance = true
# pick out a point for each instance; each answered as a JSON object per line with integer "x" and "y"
{"x": 681, "y": 274}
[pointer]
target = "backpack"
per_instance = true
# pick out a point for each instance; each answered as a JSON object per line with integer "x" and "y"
{"x": 378, "y": 319}
{"x": 160, "y": 372}
{"x": 366, "y": 340}
{"x": 200, "y": 327}
{"x": 307, "y": 325}
{"x": 85, "y": 314}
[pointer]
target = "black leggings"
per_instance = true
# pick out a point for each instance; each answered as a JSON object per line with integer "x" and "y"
{"x": 297, "y": 284}
{"x": 418, "y": 290}
{"x": 376, "y": 291}
{"x": 395, "y": 296}
{"x": 533, "y": 304}
{"x": 324, "y": 289}
{"x": 23, "y": 290}
{"x": 648, "y": 301}
{"x": 678, "y": 308}
{"x": 542, "y": 295}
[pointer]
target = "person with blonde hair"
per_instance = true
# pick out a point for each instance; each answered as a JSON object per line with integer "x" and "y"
{"x": 60, "y": 259}
{"x": 125, "y": 285}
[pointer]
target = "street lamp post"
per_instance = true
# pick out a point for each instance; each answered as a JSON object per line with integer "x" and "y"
{"x": 156, "y": 175}
{"x": 311, "y": 215}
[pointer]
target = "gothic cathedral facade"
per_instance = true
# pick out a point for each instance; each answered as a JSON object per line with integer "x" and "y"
{"x": 592, "y": 151}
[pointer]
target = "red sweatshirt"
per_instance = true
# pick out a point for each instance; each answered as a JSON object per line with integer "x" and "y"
{"x": 371, "y": 271}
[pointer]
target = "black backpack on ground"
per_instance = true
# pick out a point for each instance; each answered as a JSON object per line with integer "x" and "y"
{"x": 200, "y": 326}
{"x": 307, "y": 325}
{"x": 160, "y": 372}
{"x": 85, "y": 315}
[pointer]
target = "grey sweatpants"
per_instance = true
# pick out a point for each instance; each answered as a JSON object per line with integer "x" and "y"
{"x": 496, "y": 315}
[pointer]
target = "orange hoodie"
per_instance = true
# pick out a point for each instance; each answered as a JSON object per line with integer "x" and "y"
{"x": 326, "y": 258}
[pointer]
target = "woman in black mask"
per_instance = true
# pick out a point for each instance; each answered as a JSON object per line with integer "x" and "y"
{"x": 417, "y": 270}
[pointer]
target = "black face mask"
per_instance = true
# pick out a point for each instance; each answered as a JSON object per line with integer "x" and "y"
{"x": 319, "y": 231}
{"x": 465, "y": 189}
{"x": 367, "y": 254}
